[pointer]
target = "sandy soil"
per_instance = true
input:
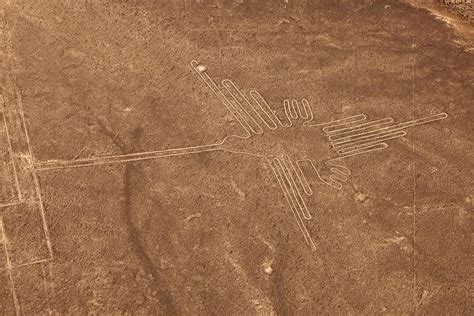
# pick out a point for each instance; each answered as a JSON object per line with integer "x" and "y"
{"x": 212, "y": 232}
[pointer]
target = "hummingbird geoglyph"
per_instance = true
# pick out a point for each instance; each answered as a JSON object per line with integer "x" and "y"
{"x": 286, "y": 142}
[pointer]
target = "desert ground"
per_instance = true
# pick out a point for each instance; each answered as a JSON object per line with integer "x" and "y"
{"x": 235, "y": 157}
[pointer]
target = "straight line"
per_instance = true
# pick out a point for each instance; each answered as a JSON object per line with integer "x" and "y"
{"x": 376, "y": 137}
{"x": 42, "y": 212}
{"x": 19, "y": 99}
{"x": 289, "y": 168}
{"x": 35, "y": 177}
{"x": 10, "y": 152}
{"x": 221, "y": 96}
{"x": 396, "y": 127}
{"x": 340, "y": 122}
{"x": 126, "y": 157}
{"x": 362, "y": 148}
{"x": 8, "y": 266}
{"x": 12, "y": 204}
{"x": 414, "y": 185}
{"x": 45, "y": 287}
{"x": 226, "y": 83}
{"x": 33, "y": 172}
{"x": 363, "y": 126}
{"x": 362, "y": 151}
{"x": 32, "y": 263}
{"x": 289, "y": 200}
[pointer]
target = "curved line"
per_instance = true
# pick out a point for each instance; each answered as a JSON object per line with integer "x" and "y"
{"x": 337, "y": 187}
{"x": 294, "y": 109}
{"x": 307, "y": 109}
{"x": 242, "y": 108}
{"x": 399, "y": 126}
{"x": 338, "y": 177}
{"x": 208, "y": 80}
{"x": 286, "y": 106}
{"x": 340, "y": 173}
{"x": 267, "y": 111}
{"x": 343, "y": 169}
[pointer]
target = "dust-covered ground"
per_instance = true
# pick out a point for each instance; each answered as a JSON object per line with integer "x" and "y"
{"x": 215, "y": 232}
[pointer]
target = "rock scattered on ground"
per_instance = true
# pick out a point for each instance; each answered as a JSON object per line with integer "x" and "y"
{"x": 360, "y": 197}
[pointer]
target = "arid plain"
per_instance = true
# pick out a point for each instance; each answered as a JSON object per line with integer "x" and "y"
{"x": 137, "y": 179}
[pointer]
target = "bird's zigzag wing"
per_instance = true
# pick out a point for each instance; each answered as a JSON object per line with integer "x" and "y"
{"x": 355, "y": 136}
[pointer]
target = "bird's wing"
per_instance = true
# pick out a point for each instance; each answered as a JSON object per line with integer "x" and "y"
{"x": 253, "y": 114}
{"x": 240, "y": 115}
{"x": 355, "y": 135}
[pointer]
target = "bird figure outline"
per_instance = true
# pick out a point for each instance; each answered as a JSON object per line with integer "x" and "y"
{"x": 286, "y": 142}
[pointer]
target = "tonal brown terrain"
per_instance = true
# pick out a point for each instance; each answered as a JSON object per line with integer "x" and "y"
{"x": 212, "y": 233}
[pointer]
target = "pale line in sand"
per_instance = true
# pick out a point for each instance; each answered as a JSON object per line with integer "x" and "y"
{"x": 20, "y": 197}
{"x": 362, "y": 126}
{"x": 17, "y": 203}
{"x": 87, "y": 162}
{"x": 11, "y": 204}
{"x": 19, "y": 102}
{"x": 213, "y": 86}
{"x": 370, "y": 141}
{"x": 333, "y": 183}
{"x": 309, "y": 241}
{"x": 10, "y": 150}
{"x": 7, "y": 190}
{"x": 360, "y": 151}
{"x": 51, "y": 283}
{"x": 33, "y": 173}
{"x": 39, "y": 202}
{"x": 259, "y": 99}
{"x": 291, "y": 191}
{"x": 45, "y": 287}
{"x": 339, "y": 122}
{"x": 288, "y": 167}
{"x": 290, "y": 178}
{"x": 414, "y": 187}
{"x": 8, "y": 267}
{"x": 26, "y": 264}
{"x": 22, "y": 117}
{"x": 43, "y": 214}
{"x": 228, "y": 84}
{"x": 301, "y": 178}
{"x": 396, "y": 127}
